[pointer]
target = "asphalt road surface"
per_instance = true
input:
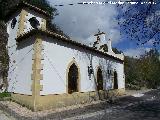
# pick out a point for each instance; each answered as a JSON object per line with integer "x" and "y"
{"x": 144, "y": 111}
{"x": 146, "y": 107}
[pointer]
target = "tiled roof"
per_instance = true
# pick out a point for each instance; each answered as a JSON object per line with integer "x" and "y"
{"x": 22, "y": 5}
{"x": 62, "y": 38}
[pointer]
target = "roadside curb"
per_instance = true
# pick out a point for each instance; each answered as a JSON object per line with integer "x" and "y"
{"x": 56, "y": 115}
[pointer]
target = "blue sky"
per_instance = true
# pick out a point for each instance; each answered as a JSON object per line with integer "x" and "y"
{"x": 81, "y": 22}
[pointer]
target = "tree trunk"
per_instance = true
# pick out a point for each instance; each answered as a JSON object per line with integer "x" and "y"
{"x": 3, "y": 54}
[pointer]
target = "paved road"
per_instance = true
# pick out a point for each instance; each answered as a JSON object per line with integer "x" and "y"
{"x": 144, "y": 111}
{"x": 146, "y": 107}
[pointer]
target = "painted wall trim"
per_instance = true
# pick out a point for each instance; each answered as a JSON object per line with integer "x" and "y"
{"x": 36, "y": 71}
{"x": 79, "y": 75}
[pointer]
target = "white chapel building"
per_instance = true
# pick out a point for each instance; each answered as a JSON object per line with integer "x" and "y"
{"x": 48, "y": 70}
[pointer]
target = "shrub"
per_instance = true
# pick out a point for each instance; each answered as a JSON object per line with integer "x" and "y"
{"x": 5, "y": 94}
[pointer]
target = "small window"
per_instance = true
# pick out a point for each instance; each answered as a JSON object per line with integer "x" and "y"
{"x": 13, "y": 24}
{"x": 99, "y": 79}
{"x": 115, "y": 80}
{"x": 90, "y": 70}
{"x": 109, "y": 72}
{"x": 34, "y": 22}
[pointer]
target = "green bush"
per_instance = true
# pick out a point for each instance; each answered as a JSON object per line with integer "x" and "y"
{"x": 5, "y": 94}
{"x": 143, "y": 72}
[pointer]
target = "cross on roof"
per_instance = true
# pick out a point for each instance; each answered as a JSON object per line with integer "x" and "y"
{"x": 99, "y": 33}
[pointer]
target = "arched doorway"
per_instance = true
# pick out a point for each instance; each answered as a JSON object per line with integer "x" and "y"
{"x": 73, "y": 79}
{"x": 99, "y": 79}
{"x": 115, "y": 80}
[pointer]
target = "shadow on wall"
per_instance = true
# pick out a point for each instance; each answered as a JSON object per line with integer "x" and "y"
{"x": 26, "y": 42}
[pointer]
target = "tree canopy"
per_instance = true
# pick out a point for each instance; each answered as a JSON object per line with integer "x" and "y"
{"x": 143, "y": 71}
{"x": 43, "y": 4}
{"x": 7, "y": 5}
{"x": 141, "y": 22}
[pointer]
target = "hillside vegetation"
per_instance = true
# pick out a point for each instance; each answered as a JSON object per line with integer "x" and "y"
{"x": 143, "y": 72}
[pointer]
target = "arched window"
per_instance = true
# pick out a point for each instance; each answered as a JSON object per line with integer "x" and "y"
{"x": 13, "y": 24}
{"x": 115, "y": 80}
{"x": 99, "y": 79}
{"x": 73, "y": 79}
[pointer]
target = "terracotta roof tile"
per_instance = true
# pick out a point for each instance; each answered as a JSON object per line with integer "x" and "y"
{"x": 63, "y": 38}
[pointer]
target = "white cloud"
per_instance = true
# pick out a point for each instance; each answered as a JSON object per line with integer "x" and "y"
{"x": 151, "y": 41}
{"x": 83, "y": 21}
{"x": 135, "y": 53}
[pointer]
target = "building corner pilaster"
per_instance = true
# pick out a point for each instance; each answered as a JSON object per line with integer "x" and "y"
{"x": 21, "y": 22}
{"x": 37, "y": 76}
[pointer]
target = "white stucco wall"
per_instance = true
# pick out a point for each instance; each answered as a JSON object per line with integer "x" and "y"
{"x": 20, "y": 75}
{"x": 57, "y": 56}
{"x": 12, "y": 35}
{"x": 12, "y": 52}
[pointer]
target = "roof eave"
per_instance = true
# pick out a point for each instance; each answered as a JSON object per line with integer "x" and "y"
{"x": 60, "y": 37}
{"x": 24, "y": 5}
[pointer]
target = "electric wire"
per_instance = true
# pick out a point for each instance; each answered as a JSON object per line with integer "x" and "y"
{"x": 54, "y": 69}
{"x": 99, "y": 3}
{"x": 19, "y": 61}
